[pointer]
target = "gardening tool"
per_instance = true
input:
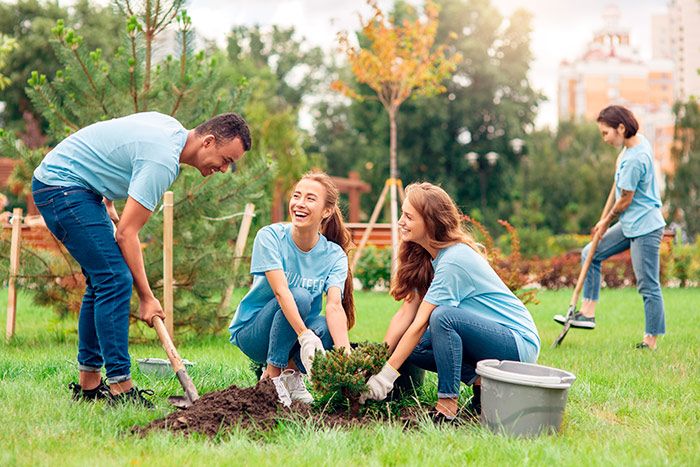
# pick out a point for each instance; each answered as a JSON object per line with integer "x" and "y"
{"x": 584, "y": 270}
{"x": 577, "y": 290}
{"x": 191, "y": 394}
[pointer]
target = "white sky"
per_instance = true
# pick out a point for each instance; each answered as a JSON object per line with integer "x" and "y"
{"x": 561, "y": 28}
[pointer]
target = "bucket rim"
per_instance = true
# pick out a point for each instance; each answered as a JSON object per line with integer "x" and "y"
{"x": 487, "y": 368}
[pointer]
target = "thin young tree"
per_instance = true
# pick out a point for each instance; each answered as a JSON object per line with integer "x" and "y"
{"x": 396, "y": 59}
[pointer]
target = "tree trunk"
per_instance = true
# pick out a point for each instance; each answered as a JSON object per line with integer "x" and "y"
{"x": 393, "y": 175}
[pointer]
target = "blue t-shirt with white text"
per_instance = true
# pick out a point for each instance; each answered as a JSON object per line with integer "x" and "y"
{"x": 316, "y": 270}
{"x": 464, "y": 279}
{"x": 137, "y": 155}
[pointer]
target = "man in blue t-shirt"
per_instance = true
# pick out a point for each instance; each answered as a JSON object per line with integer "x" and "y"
{"x": 136, "y": 158}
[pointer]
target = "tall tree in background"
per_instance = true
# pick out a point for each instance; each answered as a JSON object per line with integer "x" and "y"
{"x": 398, "y": 59}
{"x": 188, "y": 86}
{"x": 489, "y": 103}
{"x": 683, "y": 192}
{"x": 30, "y": 23}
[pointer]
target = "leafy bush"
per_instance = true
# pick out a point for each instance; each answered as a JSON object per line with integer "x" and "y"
{"x": 340, "y": 377}
{"x": 684, "y": 262}
{"x": 374, "y": 267}
{"x": 511, "y": 268}
{"x": 563, "y": 271}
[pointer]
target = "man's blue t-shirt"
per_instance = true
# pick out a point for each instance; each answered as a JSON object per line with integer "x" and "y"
{"x": 635, "y": 172}
{"x": 137, "y": 155}
{"x": 316, "y": 270}
{"x": 464, "y": 279}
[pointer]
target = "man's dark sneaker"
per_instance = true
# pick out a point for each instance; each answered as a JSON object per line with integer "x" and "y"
{"x": 101, "y": 392}
{"x": 579, "y": 321}
{"x": 644, "y": 346}
{"x": 134, "y": 396}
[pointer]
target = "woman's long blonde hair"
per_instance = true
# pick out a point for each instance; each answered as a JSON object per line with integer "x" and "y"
{"x": 443, "y": 224}
{"x": 333, "y": 228}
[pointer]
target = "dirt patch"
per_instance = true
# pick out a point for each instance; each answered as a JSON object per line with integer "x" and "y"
{"x": 257, "y": 408}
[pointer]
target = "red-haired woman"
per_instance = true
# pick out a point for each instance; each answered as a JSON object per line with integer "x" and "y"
{"x": 293, "y": 266}
{"x": 456, "y": 310}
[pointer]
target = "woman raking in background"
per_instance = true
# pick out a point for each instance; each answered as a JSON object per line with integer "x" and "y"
{"x": 641, "y": 225}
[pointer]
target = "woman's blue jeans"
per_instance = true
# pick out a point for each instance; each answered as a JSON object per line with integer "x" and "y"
{"x": 455, "y": 341}
{"x": 78, "y": 218}
{"x": 644, "y": 251}
{"x": 270, "y": 338}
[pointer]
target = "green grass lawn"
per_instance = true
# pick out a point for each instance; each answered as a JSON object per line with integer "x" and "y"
{"x": 627, "y": 407}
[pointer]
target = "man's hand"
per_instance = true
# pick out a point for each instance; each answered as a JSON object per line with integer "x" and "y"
{"x": 379, "y": 385}
{"x": 150, "y": 308}
{"x": 309, "y": 343}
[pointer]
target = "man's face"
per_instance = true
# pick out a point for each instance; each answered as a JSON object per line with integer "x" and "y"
{"x": 212, "y": 157}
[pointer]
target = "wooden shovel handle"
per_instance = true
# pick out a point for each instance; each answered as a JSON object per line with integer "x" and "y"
{"x": 168, "y": 345}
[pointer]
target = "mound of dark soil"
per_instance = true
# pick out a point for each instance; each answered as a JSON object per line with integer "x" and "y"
{"x": 257, "y": 408}
{"x": 254, "y": 407}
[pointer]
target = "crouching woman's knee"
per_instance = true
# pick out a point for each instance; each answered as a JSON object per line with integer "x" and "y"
{"x": 302, "y": 298}
{"x": 440, "y": 317}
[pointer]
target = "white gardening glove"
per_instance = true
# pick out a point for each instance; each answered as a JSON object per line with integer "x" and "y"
{"x": 379, "y": 385}
{"x": 309, "y": 343}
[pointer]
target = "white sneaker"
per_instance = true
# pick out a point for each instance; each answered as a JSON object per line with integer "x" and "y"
{"x": 282, "y": 392}
{"x": 294, "y": 383}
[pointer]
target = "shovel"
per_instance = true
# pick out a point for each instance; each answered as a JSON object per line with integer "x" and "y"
{"x": 577, "y": 290}
{"x": 191, "y": 394}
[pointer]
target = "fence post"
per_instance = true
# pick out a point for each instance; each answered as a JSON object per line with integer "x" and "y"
{"x": 238, "y": 251}
{"x": 14, "y": 269}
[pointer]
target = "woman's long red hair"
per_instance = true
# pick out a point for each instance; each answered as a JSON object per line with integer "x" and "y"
{"x": 443, "y": 224}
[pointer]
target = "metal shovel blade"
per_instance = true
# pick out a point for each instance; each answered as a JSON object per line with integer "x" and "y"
{"x": 181, "y": 402}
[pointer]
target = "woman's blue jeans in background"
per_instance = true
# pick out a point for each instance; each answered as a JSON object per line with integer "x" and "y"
{"x": 455, "y": 341}
{"x": 270, "y": 338}
{"x": 78, "y": 218}
{"x": 644, "y": 251}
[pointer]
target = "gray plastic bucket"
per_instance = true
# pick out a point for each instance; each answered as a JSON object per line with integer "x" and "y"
{"x": 522, "y": 399}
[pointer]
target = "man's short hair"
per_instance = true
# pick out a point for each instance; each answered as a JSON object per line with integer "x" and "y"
{"x": 226, "y": 127}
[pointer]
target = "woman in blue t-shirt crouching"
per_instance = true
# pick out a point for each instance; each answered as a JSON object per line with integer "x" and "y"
{"x": 293, "y": 265}
{"x": 637, "y": 202}
{"x": 456, "y": 310}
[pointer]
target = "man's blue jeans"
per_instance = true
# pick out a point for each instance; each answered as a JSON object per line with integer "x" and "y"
{"x": 455, "y": 341}
{"x": 79, "y": 219}
{"x": 270, "y": 338}
{"x": 644, "y": 251}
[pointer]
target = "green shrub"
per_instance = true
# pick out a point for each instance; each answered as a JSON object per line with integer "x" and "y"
{"x": 339, "y": 377}
{"x": 685, "y": 262}
{"x": 374, "y": 267}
